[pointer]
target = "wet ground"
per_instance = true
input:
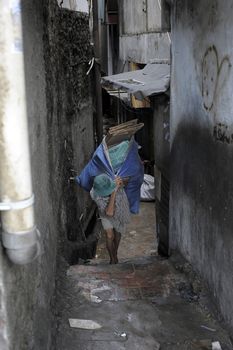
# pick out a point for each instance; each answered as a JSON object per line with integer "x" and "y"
{"x": 143, "y": 303}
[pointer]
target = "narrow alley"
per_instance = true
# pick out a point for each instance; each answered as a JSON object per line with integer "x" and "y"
{"x": 116, "y": 187}
{"x": 144, "y": 302}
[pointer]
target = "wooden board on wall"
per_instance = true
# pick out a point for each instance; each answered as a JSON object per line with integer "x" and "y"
{"x": 145, "y": 103}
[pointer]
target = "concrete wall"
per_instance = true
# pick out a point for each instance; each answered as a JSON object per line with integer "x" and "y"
{"x": 61, "y": 137}
{"x": 70, "y": 118}
{"x": 143, "y": 30}
{"x": 144, "y": 47}
{"x": 201, "y": 218}
{"x": 144, "y": 16}
{"x": 161, "y": 116}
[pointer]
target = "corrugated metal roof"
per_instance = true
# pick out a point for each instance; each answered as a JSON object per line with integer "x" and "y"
{"x": 153, "y": 79}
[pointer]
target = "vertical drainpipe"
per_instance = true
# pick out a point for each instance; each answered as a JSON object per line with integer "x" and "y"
{"x": 19, "y": 234}
{"x": 98, "y": 88}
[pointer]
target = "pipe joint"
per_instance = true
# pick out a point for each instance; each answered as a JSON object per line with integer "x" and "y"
{"x": 4, "y": 206}
{"x": 22, "y": 247}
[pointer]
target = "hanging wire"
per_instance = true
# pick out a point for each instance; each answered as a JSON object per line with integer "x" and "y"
{"x": 91, "y": 64}
{"x": 169, "y": 37}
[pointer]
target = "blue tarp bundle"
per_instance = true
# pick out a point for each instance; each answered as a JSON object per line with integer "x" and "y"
{"x": 132, "y": 168}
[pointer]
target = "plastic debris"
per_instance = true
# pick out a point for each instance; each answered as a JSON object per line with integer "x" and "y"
{"x": 187, "y": 292}
{"x": 208, "y": 328}
{"x": 147, "y": 192}
{"x": 216, "y": 345}
{"x": 153, "y": 252}
{"x": 95, "y": 299}
{"x": 84, "y": 324}
{"x": 122, "y": 335}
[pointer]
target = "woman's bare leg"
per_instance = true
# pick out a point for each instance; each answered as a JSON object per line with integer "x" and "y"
{"x": 117, "y": 239}
{"x": 110, "y": 245}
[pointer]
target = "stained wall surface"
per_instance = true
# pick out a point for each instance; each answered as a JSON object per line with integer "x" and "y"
{"x": 201, "y": 202}
{"x": 57, "y": 51}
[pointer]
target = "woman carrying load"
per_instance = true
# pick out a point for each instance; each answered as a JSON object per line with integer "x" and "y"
{"x": 114, "y": 211}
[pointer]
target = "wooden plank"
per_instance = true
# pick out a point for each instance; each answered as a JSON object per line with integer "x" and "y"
{"x": 123, "y": 125}
{"x": 133, "y": 129}
{"x": 115, "y": 140}
{"x": 145, "y": 103}
{"x": 122, "y": 132}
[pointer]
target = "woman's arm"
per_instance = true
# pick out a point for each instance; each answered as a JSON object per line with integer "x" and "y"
{"x": 109, "y": 211}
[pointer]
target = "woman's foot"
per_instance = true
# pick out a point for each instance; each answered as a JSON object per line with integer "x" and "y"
{"x": 117, "y": 239}
{"x": 114, "y": 261}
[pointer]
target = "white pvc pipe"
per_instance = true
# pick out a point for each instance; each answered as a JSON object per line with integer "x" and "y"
{"x": 19, "y": 233}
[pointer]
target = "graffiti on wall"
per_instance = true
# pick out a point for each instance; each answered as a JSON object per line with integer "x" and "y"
{"x": 215, "y": 73}
{"x": 222, "y": 133}
{"x": 214, "y": 76}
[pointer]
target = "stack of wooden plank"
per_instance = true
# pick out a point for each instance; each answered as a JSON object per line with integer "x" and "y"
{"x": 122, "y": 132}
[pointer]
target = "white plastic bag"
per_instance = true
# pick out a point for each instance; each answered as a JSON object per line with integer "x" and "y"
{"x": 148, "y": 188}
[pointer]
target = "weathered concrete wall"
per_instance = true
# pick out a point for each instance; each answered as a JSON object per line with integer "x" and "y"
{"x": 162, "y": 169}
{"x": 27, "y": 291}
{"x": 144, "y": 47}
{"x": 161, "y": 115}
{"x": 144, "y": 16}
{"x": 4, "y": 341}
{"x": 61, "y": 138}
{"x": 70, "y": 118}
{"x": 201, "y": 218}
{"x": 143, "y": 30}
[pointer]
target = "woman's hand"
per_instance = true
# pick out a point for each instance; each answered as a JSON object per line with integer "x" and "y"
{"x": 125, "y": 181}
{"x": 119, "y": 182}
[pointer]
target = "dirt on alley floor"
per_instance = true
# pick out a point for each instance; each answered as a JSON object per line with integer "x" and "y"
{"x": 143, "y": 303}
